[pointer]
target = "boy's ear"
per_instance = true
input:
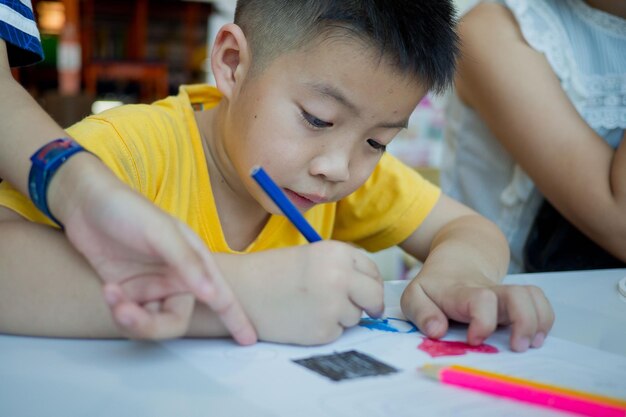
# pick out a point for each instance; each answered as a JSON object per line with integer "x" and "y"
{"x": 230, "y": 59}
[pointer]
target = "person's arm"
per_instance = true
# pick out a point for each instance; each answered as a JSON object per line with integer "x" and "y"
{"x": 49, "y": 289}
{"x": 25, "y": 127}
{"x": 515, "y": 91}
{"x": 94, "y": 206}
{"x": 465, "y": 258}
{"x": 305, "y": 294}
{"x": 618, "y": 171}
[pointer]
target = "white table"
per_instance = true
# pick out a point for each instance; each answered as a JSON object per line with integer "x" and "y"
{"x": 47, "y": 377}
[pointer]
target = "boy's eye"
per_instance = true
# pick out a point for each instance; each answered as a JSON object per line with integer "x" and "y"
{"x": 314, "y": 121}
{"x": 377, "y": 145}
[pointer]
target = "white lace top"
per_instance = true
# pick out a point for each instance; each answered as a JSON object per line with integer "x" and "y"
{"x": 587, "y": 51}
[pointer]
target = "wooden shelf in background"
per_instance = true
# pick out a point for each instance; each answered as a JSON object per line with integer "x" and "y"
{"x": 151, "y": 77}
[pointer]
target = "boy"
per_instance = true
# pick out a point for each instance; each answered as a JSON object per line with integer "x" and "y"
{"x": 312, "y": 91}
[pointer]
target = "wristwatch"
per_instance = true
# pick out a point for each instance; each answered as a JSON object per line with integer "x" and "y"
{"x": 45, "y": 163}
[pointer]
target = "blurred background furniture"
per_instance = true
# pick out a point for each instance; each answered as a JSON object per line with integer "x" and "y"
{"x": 129, "y": 51}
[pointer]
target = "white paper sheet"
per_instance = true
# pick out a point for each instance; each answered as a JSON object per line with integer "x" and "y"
{"x": 265, "y": 375}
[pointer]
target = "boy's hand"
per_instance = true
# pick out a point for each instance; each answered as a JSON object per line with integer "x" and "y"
{"x": 465, "y": 257}
{"x": 148, "y": 260}
{"x": 306, "y": 294}
{"x": 429, "y": 303}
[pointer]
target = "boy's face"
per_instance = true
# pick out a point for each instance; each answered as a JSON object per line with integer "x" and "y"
{"x": 317, "y": 119}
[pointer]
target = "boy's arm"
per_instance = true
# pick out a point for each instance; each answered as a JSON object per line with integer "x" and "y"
{"x": 465, "y": 258}
{"x": 25, "y": 128}
{"x": 304, "y": 294}
{"x": 48, "y": 289}
{"x": 516, "y": 92}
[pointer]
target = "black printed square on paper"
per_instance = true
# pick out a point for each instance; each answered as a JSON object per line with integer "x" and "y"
{"x": 345, "y": 365}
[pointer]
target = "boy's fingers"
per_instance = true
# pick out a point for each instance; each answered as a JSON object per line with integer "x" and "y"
{"x": 366, "y": 288}
{"x": 545, "y": 316}
{"x": 221, "y": 299}
{"x": 351, "y": 316}
{"x": 521, "y": 313}
{"x": 364, "y": 264}
{"x": 483, "y": 315}
{"x": 545, "y": 313}
{"x": 368, "y": 294}
{"x": 423, "y": 312}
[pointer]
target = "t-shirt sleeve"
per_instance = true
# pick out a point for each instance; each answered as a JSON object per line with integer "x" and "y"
{"x": 102, "y": 137}
{"x": 138, "y": 143}
{"x": 97, "y": 136}
{"x": 19, "y": 30}
{"x": 385, "y": 210}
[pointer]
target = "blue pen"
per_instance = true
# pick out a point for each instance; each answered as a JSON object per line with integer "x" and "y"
{"x": 280, "y": 199}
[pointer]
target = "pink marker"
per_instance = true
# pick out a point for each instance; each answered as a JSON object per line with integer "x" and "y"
{"x": 550, "y": 396}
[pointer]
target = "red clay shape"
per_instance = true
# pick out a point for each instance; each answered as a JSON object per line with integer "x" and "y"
{"x": 436, "y": 348}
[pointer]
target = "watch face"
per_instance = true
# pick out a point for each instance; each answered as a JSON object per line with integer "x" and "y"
{"x": 54, "y": 148}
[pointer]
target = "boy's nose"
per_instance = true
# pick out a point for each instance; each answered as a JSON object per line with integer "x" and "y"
{"x": 333, "y": 167}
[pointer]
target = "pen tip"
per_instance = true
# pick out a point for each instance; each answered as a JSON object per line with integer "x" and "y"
{"x": 255, "y": 169}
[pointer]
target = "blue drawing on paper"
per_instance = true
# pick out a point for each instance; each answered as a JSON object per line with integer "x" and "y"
{"x": 389, "y": 324}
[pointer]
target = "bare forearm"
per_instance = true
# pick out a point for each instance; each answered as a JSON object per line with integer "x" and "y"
{"x": 205, "y": 323}
{"x": 470, "y": 246}
{"x": 48, "y": 289}
{"x": 25, "y": 128}
{"x": 618, "y": 173}
{"x": 304, "y": 295}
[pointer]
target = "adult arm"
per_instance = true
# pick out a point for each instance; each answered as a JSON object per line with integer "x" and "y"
{"x": 95, "y": 206}
{"x": 514, "y": 89}
{"x": 25, "y": 127}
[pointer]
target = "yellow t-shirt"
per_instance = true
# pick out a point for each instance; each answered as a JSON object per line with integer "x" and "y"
{"x": 157, "y": 150}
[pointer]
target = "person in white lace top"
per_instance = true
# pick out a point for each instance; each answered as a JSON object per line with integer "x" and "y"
{"x": 539, "y": 111}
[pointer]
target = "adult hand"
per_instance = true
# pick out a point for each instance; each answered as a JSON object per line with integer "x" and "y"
{"x": 148, "y": 260}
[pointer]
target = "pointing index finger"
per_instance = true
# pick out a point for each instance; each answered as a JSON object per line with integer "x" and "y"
{"x": 212, "y": 289}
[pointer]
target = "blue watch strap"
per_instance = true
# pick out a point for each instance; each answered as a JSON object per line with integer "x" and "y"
{"x": 45, "y": 163}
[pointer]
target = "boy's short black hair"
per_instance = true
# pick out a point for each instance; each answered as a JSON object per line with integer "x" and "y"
{"x": 418, "y": 37}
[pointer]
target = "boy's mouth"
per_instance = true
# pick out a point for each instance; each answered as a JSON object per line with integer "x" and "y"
{"x": 303, "y": 201}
